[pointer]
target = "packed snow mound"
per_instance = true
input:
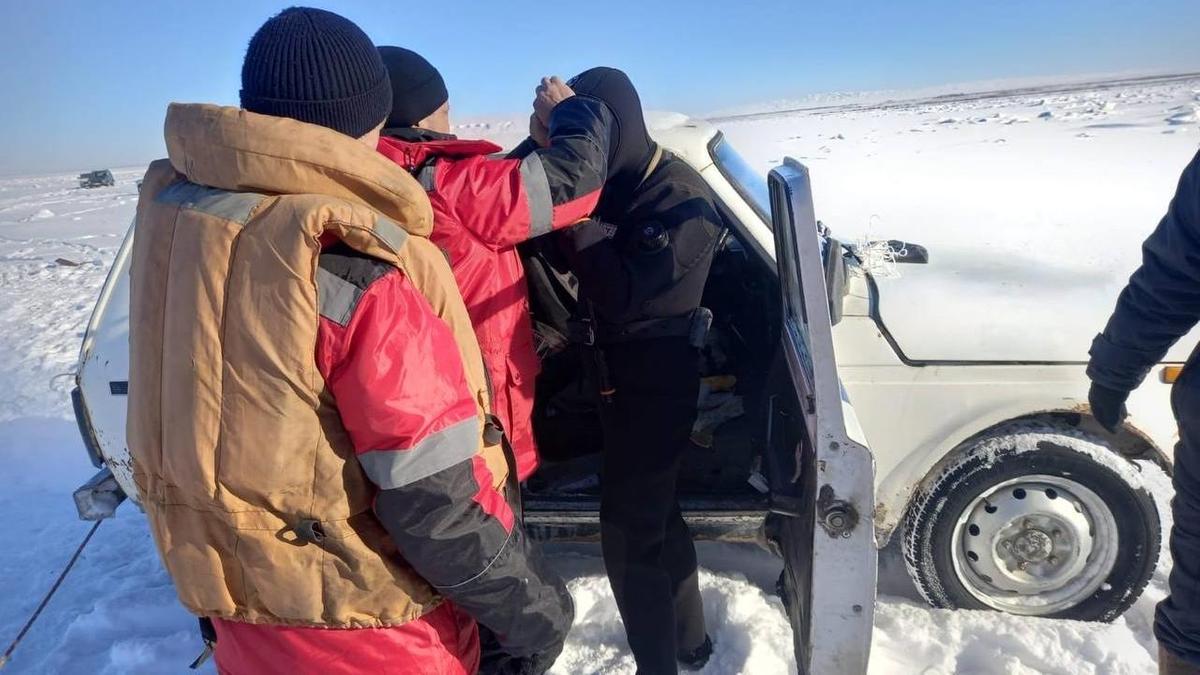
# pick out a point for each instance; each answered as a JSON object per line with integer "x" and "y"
{"x": 911, "y": 638}
{"x": 748, "y": 628}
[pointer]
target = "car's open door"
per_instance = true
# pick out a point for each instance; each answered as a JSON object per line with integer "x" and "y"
{"x": 821, "y": 470}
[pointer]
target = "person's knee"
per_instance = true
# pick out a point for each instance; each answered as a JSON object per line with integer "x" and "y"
{"x": 1186, "y": 480}
{"x": 1185, "y": 400}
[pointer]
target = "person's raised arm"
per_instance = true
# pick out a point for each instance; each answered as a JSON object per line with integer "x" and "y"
{"x": 505, "y": 201}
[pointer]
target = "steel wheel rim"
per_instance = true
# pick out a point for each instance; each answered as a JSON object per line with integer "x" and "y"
{"x": 1034, "y": 545}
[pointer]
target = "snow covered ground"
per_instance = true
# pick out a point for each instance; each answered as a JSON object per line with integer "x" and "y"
{"x": 1032, "y": 205}
{"x": 1067, "y": 182}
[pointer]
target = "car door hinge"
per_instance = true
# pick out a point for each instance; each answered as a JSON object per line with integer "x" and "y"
{"x": 837, "y": 517}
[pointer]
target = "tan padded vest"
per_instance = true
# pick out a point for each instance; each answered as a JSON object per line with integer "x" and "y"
{"x": 234, "y": 438}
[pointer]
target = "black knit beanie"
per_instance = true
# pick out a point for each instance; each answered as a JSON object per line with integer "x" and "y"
{"x": 417, "y": 87}
{"x": 317, "y": 67}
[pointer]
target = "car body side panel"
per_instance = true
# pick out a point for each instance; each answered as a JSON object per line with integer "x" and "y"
{"x": 104, "y": 369}
{"x": 1047, "y": 318}
{"x": 915, "y": 416}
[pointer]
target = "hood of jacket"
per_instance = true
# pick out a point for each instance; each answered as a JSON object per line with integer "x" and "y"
{"x": 632, "y": 150}
{"x": 411, "y": 147}
{"x": 232, "y": 149}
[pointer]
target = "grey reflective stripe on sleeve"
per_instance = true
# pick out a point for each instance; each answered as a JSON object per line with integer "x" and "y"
{"x": 392, "y": 234}
{"x": 537, "y": 195}
{"x": 427, "y": 176}
{"x": 391, "y": 469}
{"x": 336, "y": 297}
{"x": 234, "y": 206}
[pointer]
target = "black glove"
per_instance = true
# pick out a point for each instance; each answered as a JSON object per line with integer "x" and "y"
{"x": 519, "y": 665}
{"x": 494, "y": 661}
{"x": 1108, "y": 406}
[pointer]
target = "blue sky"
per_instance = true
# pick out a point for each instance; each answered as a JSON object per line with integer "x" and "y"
{"x": 86, "y": 83}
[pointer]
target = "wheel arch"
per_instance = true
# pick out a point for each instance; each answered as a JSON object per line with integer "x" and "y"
{"x": 1129, "y": 442}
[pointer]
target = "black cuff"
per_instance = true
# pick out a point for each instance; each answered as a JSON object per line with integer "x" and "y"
{"x": 525, "y": 605}
{"x": 1118, "y": 368}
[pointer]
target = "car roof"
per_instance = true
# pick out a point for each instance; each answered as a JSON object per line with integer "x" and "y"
{"x": 687, "y": 137}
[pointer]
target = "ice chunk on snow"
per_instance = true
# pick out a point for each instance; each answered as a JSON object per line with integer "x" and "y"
{"x": 40, "y": 214}
{"x": 1184, "y": 114}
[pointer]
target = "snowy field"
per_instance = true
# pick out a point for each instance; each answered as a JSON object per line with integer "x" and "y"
{"x": 1018, "y": 193}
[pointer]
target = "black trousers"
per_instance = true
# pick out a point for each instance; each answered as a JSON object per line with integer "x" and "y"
{"x": 1177, "y": 621}
{"x": 648, "y": 549}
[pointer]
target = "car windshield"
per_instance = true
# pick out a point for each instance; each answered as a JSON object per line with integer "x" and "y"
{"x": 750, "y": 184}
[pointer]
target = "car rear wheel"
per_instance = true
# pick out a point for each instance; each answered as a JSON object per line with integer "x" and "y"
{"x": 1037, "y": 522}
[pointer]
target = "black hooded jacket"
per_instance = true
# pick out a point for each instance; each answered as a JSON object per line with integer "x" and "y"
{"x": 1161, "y": 302}
{"x": 647, "y": 250}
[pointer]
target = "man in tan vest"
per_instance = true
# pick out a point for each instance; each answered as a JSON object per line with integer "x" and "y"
{"x": 308, "y": 412}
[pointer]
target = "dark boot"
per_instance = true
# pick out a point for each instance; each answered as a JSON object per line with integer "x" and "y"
{"x": 1170, "y": 664}
{"x": 698, "y": 658}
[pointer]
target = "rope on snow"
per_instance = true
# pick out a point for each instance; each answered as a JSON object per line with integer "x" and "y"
{"x": 50, "y": 594}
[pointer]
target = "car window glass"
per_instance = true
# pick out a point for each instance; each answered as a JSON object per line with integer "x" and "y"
{"x": 750, "y": 184}
{"x": 795, "y": 312}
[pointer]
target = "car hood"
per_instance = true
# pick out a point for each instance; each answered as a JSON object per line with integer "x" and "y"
{"x": 967, "y": 306}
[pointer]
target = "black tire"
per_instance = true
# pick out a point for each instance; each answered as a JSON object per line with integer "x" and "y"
{"x": 1026, "y": 451}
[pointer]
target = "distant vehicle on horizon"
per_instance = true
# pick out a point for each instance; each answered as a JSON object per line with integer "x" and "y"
{"x": 98, "y": 178}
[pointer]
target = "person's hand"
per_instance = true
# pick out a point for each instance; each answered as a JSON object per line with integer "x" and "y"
{"x": 538, "y": 131}
{"x": 1108, "y": 406}
{"x": 550, "y": 93}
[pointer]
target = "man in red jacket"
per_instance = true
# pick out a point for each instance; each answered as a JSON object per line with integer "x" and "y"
{"x": 483, "y": 206}
{"x": 350, "y": 515}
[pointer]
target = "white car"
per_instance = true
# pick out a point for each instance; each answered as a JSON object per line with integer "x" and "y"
{"x": 1008, "y": 495}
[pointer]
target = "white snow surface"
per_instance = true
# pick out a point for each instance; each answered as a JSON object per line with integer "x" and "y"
{"x": 1033, "y": 205}
{"x": 1074, "y": 193}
